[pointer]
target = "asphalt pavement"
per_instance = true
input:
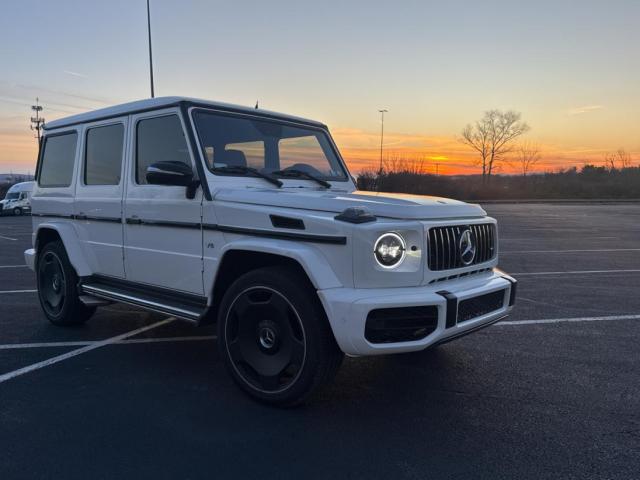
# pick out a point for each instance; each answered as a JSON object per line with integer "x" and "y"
{"x": 551, "y": 392}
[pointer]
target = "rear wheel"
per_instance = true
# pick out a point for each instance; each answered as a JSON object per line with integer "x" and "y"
{"x": 58, "y": 287}
{"x": 17, "y": 211}
{"x": 274, "y": 337}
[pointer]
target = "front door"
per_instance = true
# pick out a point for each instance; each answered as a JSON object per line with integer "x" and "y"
{"x": 163, "y": 228}
{"x": 99, "y": 190}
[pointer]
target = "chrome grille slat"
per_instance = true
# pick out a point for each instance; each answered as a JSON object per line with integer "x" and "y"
{"x": 443, "y": 245}
{"x": 440, "y": 238}
{"x": 433, "y": 240}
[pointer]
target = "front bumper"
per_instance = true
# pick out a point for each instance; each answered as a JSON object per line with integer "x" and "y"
{"x": 348, "y": 308}
{"x": 30, "y": 258}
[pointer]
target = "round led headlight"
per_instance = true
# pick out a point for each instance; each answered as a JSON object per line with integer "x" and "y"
{"x": 389, "y": 250}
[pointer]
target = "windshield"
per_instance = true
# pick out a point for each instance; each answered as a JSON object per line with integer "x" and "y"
{"x": 12, "y": 196}
{"x": 266, "y": 145}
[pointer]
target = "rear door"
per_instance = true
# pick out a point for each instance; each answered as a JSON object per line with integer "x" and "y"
{"x": 163, "y": 228}
{"x": 99, "y": 192}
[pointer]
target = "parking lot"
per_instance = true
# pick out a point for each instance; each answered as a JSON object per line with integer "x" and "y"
{"x": 552, "y": 392}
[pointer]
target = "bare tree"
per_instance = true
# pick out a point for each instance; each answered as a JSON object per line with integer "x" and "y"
{"x": 526, "y": 156}
{"x": 610, "y": 161}
{"x": 624, "y": 158}
{"x": 619, "y": 159}
{"x": 492, "y": 137}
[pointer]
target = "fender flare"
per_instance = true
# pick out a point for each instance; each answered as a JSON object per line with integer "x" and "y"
{"x": 312, "y": 261}
{"x": 69, "y": 238}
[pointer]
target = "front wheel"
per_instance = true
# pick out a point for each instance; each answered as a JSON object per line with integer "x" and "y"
{"x": 274, "y": 336}
{"x": 58, "y": 287}
{"x": 17, "y": 211}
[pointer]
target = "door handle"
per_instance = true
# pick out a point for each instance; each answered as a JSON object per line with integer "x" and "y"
{"x": 134, "y": 221}
{"x": 80, "y": 216}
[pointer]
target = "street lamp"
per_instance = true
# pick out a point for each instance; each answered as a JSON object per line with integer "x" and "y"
{"x": 382, "y": 112}
{"x": 150, "y": 54}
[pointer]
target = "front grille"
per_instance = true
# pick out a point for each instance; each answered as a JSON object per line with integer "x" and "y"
{"x": 460, "y": 275}
{"x": 444, "y": 252}
{"x": 478, "y": 306}
{"x": 403, "y": 324}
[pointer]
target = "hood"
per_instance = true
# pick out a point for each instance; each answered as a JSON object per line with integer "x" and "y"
{"x": 388, "y": 205}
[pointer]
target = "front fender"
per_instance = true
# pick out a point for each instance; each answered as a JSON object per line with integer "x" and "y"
{"x": 69, "y": 238}
{"x": 309, "y": 256}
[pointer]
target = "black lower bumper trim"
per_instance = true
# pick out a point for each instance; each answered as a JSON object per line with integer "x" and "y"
{"x": 452, "y": 307}
{"x": 466, "y": 332}
{"x": 514, "y": 288}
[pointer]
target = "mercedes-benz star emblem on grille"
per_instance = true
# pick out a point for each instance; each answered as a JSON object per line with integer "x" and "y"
{"x": 467, "y": 247}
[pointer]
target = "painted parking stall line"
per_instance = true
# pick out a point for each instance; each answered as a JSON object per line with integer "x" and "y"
{"x": 17, "y": 291}
{"x": 573, "y": 272}
{"x": 129, "y": 341}
{"x": 8, "y": 238}
{"x": 13, "y": 266}
{"x": 80, "y": 351}
{"x": 200, "y": 338}
{"x": 594, "y": 250}
{"x": 608, "y": 318}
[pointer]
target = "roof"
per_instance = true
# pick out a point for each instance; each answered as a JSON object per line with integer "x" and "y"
{"x": 164, "y": 102}
{"x": 21, "y": 186}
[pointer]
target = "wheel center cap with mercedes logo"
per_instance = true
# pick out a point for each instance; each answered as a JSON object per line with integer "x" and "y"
{"x": 467, "y": 247}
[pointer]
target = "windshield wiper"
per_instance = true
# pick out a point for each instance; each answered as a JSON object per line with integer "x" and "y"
{"x": 239, "y": 169}
{"x": 295, "y": 173}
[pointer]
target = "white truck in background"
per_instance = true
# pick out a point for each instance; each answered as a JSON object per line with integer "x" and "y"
{"x": 18, "y": 199}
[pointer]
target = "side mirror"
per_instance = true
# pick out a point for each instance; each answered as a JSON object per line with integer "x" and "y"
{"x": 173, "y": 173}
{"x": 170, "y": 173}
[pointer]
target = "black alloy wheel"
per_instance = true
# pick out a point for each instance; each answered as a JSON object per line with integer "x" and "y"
{"x": 51, "y": 283}
{"x": 58, "y": 287}
{"x": 265, "y": 339}
{"x": 274, "y": 336}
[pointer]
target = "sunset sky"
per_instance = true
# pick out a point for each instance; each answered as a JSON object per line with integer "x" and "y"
{"x": 571, "y": 67}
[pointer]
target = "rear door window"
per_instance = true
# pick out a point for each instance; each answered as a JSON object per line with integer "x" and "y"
{"x": 103, "y": 155}
{"x": 58, "y": 159}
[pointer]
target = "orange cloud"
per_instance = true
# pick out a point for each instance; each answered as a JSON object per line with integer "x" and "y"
{"x": 585, "y": 109}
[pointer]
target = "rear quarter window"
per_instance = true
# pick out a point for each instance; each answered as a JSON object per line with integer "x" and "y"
{"x": 58, "y": 159}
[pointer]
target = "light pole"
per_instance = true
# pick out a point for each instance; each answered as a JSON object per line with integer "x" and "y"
{"x": 37, "y": 122}
{"x": 382, "y": 112}
{"x": 150, "y": 53}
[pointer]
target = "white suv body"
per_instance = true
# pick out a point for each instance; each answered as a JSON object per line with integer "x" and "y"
{"x": 208, "y": 211}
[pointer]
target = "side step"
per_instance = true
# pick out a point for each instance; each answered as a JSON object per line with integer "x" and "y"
{"x": 91, "y": 301}
{"x": 178, "y": 304}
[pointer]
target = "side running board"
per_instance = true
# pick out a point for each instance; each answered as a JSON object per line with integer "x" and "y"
{"x": 182, "y": 305}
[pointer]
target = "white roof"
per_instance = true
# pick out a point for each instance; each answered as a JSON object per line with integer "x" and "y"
{"x": 22, "y": 187}
{"x": 162, "y": 102}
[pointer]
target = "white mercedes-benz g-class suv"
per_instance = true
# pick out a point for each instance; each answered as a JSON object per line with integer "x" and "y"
{"x": 212, "y": 212}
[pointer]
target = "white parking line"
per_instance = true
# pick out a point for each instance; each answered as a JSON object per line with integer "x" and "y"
{"x": 575, "y": 272}
{"x": 9, "y": 238}
{"x": 195, "y": 338}
{"x": 513, "y": 252}
{"x": 18, "y": 291}
{"x": 124, "y": 340}
{"x": 576, "y": 319}
{"x": 80, "y": 351}
{"x": 13, "y": 266}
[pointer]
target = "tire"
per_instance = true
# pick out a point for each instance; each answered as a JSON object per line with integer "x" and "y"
{"x": 17, "y": 211}
{"x": 58, "y": 287}
{"x": 274, "y": 337}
